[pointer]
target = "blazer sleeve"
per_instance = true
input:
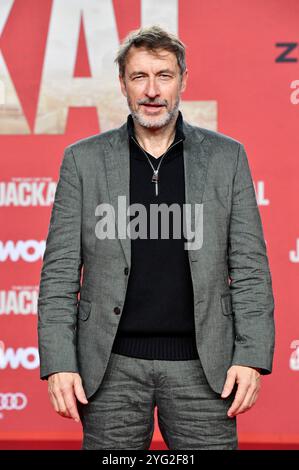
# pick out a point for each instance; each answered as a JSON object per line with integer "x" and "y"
{"x": 60, "y": 275}
{"x": 250, "y": 277}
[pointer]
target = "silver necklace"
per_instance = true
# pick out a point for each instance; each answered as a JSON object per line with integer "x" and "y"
{"x": 155, "y": 177}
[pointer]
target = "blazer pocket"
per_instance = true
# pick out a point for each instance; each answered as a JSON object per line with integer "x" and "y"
{"x": 226, "y": 304}
{"x": 215, "y": 192}
{"x": 84, "y": 308}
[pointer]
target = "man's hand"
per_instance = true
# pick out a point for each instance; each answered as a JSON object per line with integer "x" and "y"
{"x": 248, "y": 380}
{"x": 63, "y": 388}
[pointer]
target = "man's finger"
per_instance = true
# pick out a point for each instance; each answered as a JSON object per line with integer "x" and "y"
{"x": 54, "y": 401}
{"x": 254, "y": 397}
{"x": 239, "y": 397}
{"x": 71, "y": 406}
{"x": 61, "y": 404}
{"x": 79, "y": 391}
{"x": 245, "y": 405}
{"x": 229, "y": 384}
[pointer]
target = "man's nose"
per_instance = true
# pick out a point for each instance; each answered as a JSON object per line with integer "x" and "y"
{"x": 152, "y": 89}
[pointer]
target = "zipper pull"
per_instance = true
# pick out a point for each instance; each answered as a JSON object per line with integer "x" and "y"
{"x": 155, "y": 179}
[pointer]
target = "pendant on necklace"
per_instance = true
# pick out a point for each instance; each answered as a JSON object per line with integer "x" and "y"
{"x": 155, "y": 179}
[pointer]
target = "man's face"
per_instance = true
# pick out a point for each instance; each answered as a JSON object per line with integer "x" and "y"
{"x": 152, "y": 85}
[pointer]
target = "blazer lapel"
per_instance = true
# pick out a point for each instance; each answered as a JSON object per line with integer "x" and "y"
{"x": 196, "y": 167}
{"x": 117, "y": 158}
{"x": 118, "y": 178}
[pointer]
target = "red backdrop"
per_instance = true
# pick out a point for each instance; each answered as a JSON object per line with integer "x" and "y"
{"x": 55, "y": 64}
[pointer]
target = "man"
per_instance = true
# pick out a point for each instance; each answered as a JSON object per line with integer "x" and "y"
{"x": 187, "y": 330}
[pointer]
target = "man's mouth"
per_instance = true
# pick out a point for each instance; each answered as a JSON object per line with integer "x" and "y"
{"x": 153, "y": 105}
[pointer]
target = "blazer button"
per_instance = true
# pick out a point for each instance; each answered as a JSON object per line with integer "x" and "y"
{"x": 126, "y": 271}
{"x": 117, "y": 310}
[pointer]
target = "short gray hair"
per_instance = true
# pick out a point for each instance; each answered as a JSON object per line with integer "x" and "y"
{"x": 152, "y": 38}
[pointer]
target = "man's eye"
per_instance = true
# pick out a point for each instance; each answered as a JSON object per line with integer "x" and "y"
{"x": 164, "y": 75}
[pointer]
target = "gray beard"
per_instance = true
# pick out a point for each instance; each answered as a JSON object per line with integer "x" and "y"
{"x": 159, "y": 122}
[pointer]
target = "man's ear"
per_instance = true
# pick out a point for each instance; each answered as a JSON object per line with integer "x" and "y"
{"x": 122, "y": 85}
{"x": 184, "y": 80}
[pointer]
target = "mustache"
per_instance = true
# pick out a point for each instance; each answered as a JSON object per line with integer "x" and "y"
{"x": 159, "y": 102}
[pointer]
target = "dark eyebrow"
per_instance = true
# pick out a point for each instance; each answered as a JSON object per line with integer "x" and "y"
{"x": 166, "y": 71}
{"x": 143, "y": 73}
{"x": 135, "y": 73}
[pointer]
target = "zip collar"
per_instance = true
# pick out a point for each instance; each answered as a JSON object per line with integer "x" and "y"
{"x": 139, "y": 152}
{"x": 179, "y": 127}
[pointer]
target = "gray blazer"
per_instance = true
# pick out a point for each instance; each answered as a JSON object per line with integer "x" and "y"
{"x": 233, "y": 297}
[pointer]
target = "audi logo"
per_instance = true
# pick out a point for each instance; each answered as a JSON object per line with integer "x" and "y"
{"x": 12, "y": 401}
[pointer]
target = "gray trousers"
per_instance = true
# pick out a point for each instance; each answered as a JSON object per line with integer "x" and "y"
{"x": 120, "y": 415}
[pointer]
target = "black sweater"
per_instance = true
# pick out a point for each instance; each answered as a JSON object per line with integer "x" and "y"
{"x": 157, "y": 320}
